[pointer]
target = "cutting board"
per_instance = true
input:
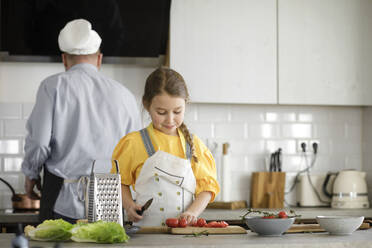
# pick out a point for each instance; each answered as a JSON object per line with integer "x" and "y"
{"x": 227, "y": 205}
{"x": 192, "y": 230}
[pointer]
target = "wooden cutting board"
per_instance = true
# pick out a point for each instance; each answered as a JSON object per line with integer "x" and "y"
{"x": 227, "y": 205}
{"x": 192, "y": 230}
{"x": 300, "y": 228}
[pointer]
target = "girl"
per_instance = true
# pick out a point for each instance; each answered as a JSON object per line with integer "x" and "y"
{"x": 164, "y": 161}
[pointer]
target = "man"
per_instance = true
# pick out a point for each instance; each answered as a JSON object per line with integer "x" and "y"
{"x": 79, "y": 116}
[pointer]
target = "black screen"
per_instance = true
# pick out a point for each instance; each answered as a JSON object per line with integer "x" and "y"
{"x": 137, "y": 28}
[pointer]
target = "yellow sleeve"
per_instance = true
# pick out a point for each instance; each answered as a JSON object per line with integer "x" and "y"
{"x": 125, "y": 153}
{"x": 205, "y": 170}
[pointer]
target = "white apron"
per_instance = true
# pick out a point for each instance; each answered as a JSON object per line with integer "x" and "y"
{"x": 166, "y": 178}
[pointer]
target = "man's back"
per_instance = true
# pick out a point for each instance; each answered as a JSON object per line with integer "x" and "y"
{"x": 79, "y": 116}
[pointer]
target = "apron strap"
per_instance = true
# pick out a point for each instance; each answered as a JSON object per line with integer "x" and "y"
{"x": 150, "y": 148}
{"x": 188, "y": 149}
{"x": 147, "y": 142}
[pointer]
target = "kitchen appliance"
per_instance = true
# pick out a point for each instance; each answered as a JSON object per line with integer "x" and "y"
{"x": 350, "y": 190}
{"x": 310, "y": 192}
{"x": 104, "y": 196}
{"x": 22, "y": 201}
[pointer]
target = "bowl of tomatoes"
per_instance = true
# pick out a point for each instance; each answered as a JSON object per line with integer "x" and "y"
{"x": 269, "y": 224}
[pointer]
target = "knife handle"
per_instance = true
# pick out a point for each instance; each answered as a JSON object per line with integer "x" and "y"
{"x": 139, "y": 212}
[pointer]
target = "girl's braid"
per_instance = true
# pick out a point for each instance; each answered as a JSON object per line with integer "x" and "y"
{"x": 189, "y": 140}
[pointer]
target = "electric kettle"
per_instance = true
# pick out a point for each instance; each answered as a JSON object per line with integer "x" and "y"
{"x": 350, "y": 190}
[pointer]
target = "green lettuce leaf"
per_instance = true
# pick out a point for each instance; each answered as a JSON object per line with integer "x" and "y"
{"x": 99, "y": 232}
{"x": 52, "y": 230}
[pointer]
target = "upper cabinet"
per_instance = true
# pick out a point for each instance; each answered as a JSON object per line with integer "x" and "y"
{"x": 325, "y": 52}
{"x": 225, "y": 50}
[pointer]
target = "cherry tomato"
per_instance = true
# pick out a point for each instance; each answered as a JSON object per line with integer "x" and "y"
{"x": 182, "y": 222}
{"x": 172, "y": 222}
{"x": 201, "y": 222}
{"x": 224, "y": 224}
{"x": 268, "y": 217}
{"x": 282, "y": 215}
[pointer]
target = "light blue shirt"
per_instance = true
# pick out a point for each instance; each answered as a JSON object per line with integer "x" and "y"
{"x": 79, "y": 116}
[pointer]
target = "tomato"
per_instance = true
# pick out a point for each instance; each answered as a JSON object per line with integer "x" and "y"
{"x": 282, "y": 215}
{"x": 268, "y": 217}
{"x": 224, "y": 224}
{"x": 182, "y": 222}
{"x": 172, "y": 222}
{"x": 201, "y": 222}
{"x": 217, "y": 224}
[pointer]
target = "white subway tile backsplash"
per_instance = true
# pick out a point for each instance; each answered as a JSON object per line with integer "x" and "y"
{"x": 353, "y": 162}
{"x": 263, "y": 130}
{"x": 10, "y": 110}
{"x": 329, "y": 131}
{"x": 9, "y": 146}
{"x": 347, "y": 115}
{"x": 14, "y": 128}
{"x": 12, "y": 179}
{"x": 249, "y": 146}
{"x": 253, "y": 131}
{"x": 27, "y": 109}
{"x": 230, "y": 130}
{"x": 353, "y": 132}
{"x": 12, "y": 164}
{"x": 250, "y": 114}
{"x": 1, "y": 128}
{"x": 305, "y": 117}
{"x": 288, "y": 146}
{"x": 272, "y": 117}
{"x": 213, "y": 113}
{"x": 201, "y": 128}
{"x": 296, "y": 130}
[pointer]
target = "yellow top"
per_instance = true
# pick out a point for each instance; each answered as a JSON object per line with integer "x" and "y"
{"x": 131, "y": 155}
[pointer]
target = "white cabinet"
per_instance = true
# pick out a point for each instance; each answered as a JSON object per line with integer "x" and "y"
{"x": 225, "y": 50}
{"x": 325, "y": 52}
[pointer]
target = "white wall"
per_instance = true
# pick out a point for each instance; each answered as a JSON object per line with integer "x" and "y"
{"x": 252, "y": 130}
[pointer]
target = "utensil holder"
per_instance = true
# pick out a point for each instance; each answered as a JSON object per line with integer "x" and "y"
{"x": 267, "y": 189}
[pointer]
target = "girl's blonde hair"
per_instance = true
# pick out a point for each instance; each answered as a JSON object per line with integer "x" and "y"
{"x": 166, "y": 80}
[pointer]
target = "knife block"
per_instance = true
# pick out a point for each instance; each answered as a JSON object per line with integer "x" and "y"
{"x": 267, "y": 189}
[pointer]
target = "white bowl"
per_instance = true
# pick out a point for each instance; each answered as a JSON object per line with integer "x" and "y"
{"x": 340, "y": 225}
{"x": 268, "y": 227}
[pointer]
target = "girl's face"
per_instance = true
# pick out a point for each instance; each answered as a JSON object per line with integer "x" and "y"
{"x": 167, "y": 113}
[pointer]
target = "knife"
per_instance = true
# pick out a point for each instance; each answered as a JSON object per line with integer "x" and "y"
{"x": 144, "y": 207}
{"x": 280, "y": 159}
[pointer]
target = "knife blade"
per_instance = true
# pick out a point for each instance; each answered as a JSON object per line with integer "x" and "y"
{"x": 144, "y": 207}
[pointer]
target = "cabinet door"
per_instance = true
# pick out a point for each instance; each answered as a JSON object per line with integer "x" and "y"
{"x": 325, "y": 52}
{"x": 226, "y": 50}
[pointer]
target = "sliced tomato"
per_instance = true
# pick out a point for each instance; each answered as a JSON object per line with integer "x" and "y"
{"x": 201, "y": 222}
{"x": 224, "y": 224}
{"x": 182, "y": 222}
{"x": 282, "y": 215}
{"x": 172, "y": 222}
{"x": 268, "y": 217}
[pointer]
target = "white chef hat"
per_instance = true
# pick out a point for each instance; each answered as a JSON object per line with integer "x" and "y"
{"x": 78, "y": 38}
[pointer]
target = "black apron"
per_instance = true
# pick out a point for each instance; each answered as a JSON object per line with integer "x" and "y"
{"x": 52, "y": 185}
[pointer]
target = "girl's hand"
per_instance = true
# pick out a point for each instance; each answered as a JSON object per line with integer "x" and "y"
{"x": 190, "y": 217}
{"x": 132, "y": 214}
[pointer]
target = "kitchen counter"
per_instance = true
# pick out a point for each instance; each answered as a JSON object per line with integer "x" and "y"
{"x": 209, "y": 214}
{"x": 361, "y": 238}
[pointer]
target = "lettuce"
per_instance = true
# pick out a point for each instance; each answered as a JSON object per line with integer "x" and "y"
{"x": 99, "y": 232}
{"x": 51, "y": 230}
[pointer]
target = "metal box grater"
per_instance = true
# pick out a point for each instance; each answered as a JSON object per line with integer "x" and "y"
{"x": 104, "y": 197}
